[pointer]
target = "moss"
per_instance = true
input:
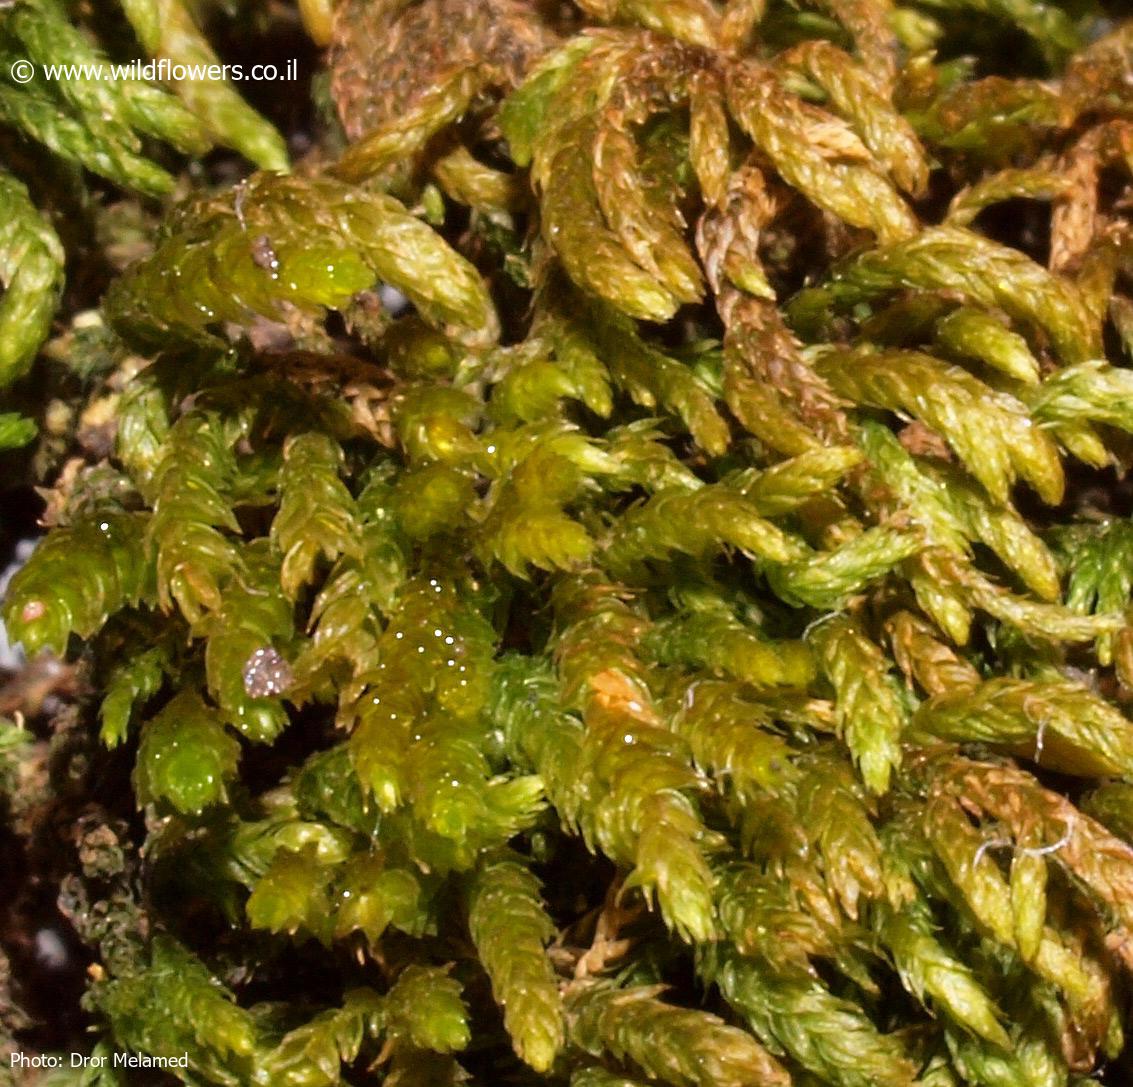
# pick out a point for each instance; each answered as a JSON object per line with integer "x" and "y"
{"x": 613, "y": 567}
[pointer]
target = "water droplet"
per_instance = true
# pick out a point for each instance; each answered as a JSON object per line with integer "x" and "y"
{"x": 266, "y": 673}
{"x": 50, "y": 950}
{"x": 393, "y": 300}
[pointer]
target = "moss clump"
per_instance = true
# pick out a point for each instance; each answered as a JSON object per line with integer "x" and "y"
{"x": 613, "y": 570}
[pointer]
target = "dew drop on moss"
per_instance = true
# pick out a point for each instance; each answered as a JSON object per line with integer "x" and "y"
{"x": 266, "y": 674}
